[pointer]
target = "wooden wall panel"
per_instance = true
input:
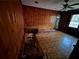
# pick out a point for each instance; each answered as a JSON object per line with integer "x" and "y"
{"x": 64, "y": 20}
{"x": 11, "y": 29}
{"x": 37, "y": 17}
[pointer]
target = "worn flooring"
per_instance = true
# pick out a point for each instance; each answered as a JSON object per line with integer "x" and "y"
{"x": 56, "y": 45}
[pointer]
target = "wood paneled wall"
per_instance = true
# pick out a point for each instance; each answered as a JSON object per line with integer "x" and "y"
{"x": 37, "y": 17}
{"x": 65, "y": 20}
{"x": 65, "y": 17}
{"x": 11, "y": 29}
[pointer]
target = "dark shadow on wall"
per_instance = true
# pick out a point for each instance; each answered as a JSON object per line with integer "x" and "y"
{"x": 64, "y": 23}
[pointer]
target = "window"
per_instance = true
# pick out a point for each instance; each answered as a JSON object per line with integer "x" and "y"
{"x": 74, "y": 23}
{"x": 57, "y": 21}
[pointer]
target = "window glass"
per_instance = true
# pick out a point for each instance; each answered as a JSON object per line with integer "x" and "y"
{"x": 74, "y": 21}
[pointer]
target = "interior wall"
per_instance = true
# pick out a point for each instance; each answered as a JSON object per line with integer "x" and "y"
{"x": 39, "y": 18}
{"x": 11, "y": 29}
{"x": 65, "y": 20}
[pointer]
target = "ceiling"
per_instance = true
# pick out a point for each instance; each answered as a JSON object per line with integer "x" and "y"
{"x": 49, "y": 4}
